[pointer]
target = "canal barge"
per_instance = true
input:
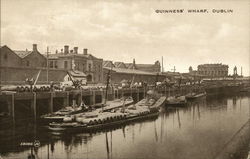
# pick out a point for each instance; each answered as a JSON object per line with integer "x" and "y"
{"x": 192, "y": 96}
{"x": 66, "y": 113}
{"x": 105, "y": 120}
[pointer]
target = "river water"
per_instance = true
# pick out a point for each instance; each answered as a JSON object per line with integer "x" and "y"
{"x": 198, "y": 131}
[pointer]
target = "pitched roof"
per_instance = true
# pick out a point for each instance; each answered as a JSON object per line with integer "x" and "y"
{"x": 129, "y": 65}
{"x": 120, "y": 65}
{"x": 108, "y": 64}
{"x": 6, "y": 47}
{"x": 129, "y": 71}
{"x": 145, "y": 65}
{"x": 89, "y": 56}
{"x": 22, "y": 53}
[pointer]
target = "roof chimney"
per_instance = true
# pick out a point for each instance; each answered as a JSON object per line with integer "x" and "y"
{"x": 75, "y": 50}
{"x": 34, "y": 47}
{"x": 66, "y": 49}
{"x": 85, "y": 51}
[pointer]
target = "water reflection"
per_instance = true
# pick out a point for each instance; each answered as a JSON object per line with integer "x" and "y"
{"x": 197, "y": 131}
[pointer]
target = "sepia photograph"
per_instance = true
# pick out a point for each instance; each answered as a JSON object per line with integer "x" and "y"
{"x": 124, "y": 79}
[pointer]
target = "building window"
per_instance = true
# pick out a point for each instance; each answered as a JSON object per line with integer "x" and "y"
{"x": 56, "y": 64}
{"x": 83, "y": 68}
{"x": 89, "y": 67}
{"x": 65, "y": 64}
{"x": 77, "y": 66}
{"x": 27, "y": 63}
{"x": 51, "y": 64}
{"x": 89, "y": 78}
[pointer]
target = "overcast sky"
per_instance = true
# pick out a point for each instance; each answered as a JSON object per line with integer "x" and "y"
{"x": 123, "y": 30}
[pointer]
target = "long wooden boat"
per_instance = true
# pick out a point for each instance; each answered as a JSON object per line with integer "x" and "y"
{"x": 191, "y": 96}
{"x": 110, "y": 119}
{"x": 66, "y": 113}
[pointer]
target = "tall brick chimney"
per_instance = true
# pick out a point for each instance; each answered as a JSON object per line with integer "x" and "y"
{"x": 66, "y": 49}
{"x": 85, "y": 51}
{"x": 75, "y": 50}
{"x": 34, "y": 47}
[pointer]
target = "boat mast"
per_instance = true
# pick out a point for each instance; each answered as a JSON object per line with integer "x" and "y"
{"x": 47, "y": 69}
{"x": 106, "y": 93}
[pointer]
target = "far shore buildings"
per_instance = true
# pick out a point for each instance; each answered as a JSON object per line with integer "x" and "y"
{"x": 153, "y": 68}
{"x": 22, "y": 58}
{"x": 213, "y": 70}
{"x": 80, "y": 61}
{"x": 18, "y": 65}
{"x": 120, "y": 71}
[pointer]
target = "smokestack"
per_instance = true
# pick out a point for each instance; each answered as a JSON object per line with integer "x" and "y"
{"x": 66, "y": 49}
{"x": 133, "y": 63}
{"x": 85, "y": 51}
{"x": 75, "y": 50}
{"x": 34, "y": 47}
{"x": 71, "y": 51}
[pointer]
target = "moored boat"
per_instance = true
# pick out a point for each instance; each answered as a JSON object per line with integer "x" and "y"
{"x": 67, "y": 114}
{"x": 195, "y": 95}
{"x": 102, "y": 120}
{"x": 59, "y": 115}
{"x": 176, "y": 101}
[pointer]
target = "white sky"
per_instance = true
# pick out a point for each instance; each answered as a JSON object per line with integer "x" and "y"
{"x": 123, "y": 30}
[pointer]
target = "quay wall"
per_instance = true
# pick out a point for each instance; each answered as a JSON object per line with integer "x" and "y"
{"x": 237, "y": 146}
{"x": 39, "y": 103}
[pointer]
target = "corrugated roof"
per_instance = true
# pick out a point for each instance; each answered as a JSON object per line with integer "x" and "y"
{"x": 129, "y": 71}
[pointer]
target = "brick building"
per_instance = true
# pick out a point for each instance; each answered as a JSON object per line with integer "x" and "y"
{"x": 213, "y": 70}
{"x": 16, "y": 66}
{"x": 9, "y": 58}
{"x": 73, "y": 60}
{"x": 33, "y": 58}
{"x": 22, "y": 58}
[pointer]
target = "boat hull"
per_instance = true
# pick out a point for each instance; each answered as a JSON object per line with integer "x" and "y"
{"x": 196, "y": 96}
{"x": 153, "y": 113}
{"x": 60, "y": 118}
{"x": 104, "y": 126}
